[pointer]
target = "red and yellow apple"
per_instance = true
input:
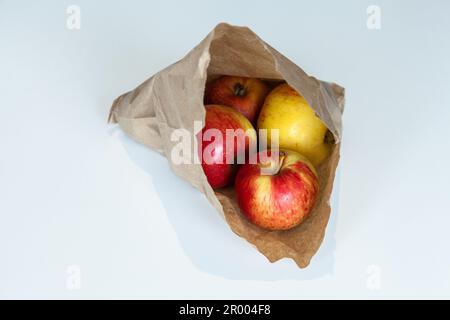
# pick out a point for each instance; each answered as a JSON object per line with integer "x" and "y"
{"x": 277, "y": 192}
{"x": 246, "y": 95}
{"x": 299, "y": 127}
{"x": 218, "y": 149}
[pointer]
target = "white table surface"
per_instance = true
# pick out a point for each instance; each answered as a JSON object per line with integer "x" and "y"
{"x": 80, "y": 200}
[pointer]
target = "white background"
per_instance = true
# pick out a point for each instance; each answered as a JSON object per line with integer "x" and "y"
{"x": 81, "y": 201}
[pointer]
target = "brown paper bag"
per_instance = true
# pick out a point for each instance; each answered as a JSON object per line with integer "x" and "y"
{"x": 173, "y": 99}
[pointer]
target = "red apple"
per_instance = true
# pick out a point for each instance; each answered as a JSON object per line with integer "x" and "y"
{"x": 218, "y": 158}
{"x": 280, "y": 197}
{"x": 246, "y": 95}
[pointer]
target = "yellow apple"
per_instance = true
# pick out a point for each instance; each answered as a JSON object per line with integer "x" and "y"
{"x": 299, "y": 127}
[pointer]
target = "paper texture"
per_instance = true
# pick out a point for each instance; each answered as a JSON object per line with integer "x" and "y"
{"x": 173, "y": 99}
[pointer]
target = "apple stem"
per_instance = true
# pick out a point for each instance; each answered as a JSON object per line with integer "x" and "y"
{"x": 282, "y": 157}
{"x": 273, "y": 167}
{"x": 239, "y": 90}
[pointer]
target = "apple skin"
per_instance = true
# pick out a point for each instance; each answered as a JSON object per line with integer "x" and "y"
{"x": 246, "y": 95}
{"x": 218, "y": 172}
{"x": 299, "y": 127}
{"x": 281, "y": 200}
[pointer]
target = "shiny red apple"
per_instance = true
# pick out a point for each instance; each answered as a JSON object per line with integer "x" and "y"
{"x": 225, "y": 136}
{"x": 277, "y": 194}
{"x": 246, "y": 95}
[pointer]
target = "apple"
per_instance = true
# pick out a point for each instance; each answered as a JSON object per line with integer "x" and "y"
{"x": 246, "y": 95}
{"x": 299, "y": 127}
{"x": 279, "y": 198}
{"x": 217, "y": 153}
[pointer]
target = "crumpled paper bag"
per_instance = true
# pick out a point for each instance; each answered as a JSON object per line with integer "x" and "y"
{"x": 173, "y": 99}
